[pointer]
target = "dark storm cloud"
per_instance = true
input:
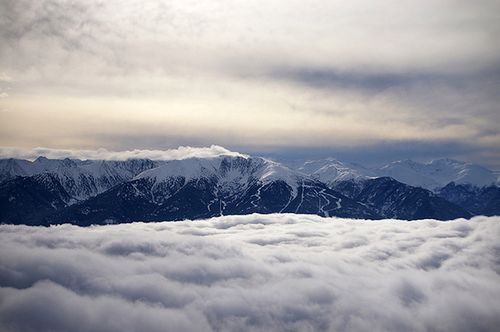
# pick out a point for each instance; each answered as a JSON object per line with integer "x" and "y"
{"x": 252, "y": 273}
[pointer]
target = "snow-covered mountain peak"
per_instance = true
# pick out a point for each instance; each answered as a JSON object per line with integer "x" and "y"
{"x": 41, "y": 159}
{"x": 409, "y": 172}
{"x": 438, "y": 173}
{"x": 81, "y": 179}
{"x": 273, "y": 171}
{"x": 405, "y": 163}
{"x": 225, "y": 169}
{"x": 447, "y": 161}
{"x": 193, "y": 168}
{"x": 331, "y": 170}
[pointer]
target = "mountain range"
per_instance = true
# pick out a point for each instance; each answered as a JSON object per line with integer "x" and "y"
{"x": 432, "y": 175}
{"x": 84, "y": 192}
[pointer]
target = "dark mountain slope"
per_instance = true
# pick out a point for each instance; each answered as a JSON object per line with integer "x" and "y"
{"x": 204, "y": 198}
{"x": 478, "y": 201}
{"x": 28, "y": 200}
{"x": 393, "y": 199}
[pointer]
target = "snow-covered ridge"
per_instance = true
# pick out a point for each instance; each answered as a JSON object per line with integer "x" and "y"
{"x": 192, "y": 168}
{"x": 81, "y": 179}
{"x": 85, "y": 178}
{"x": 225, "y": 169}
{"x": 204, "y": 187}
{"x": 331, "y": 170}
{"x": 273, "y": 171}
{"x": 432, "y": 175}
{"x": 438, "y": 173}
{"x": 91, "y": 172}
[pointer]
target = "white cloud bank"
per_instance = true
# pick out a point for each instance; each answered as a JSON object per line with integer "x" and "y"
{"x": 253, "y": 273}
{"x": 182, "y": 152}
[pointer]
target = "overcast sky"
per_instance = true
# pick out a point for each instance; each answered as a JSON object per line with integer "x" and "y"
{"x": 363, "y": 80}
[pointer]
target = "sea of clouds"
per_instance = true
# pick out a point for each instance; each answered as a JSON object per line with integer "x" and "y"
{"x": 253, "y": 273}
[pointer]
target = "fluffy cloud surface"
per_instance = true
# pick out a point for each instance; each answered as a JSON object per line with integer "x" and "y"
{"x": 253, "y": 273}
{"x": 182, "y": 152}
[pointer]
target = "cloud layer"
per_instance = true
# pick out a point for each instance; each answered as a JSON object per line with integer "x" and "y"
{"x": 182, "y": 152}
{"x": 253, "y": 273}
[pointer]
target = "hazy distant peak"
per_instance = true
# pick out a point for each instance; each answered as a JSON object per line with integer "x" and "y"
{"x": 438, "y": 173}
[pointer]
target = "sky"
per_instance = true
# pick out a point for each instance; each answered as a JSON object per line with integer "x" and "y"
{"x": 365, "y": 81}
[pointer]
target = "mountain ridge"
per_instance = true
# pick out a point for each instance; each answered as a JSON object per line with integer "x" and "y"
{"x": 94, "y": 191}
{"x": 431, "y": 175}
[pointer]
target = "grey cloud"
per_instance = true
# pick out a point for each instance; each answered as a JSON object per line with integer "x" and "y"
{"x": 49, "y": 307}
{"x": 376, "y": 81}
{"x": 128, "y": 37}
{"x": 428, "y": 100}
{"x": 5, "y": 78}
{"x": 325, "y": 78}
{"x": 62, "y": 26}
{"x": 308, "y": 274}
